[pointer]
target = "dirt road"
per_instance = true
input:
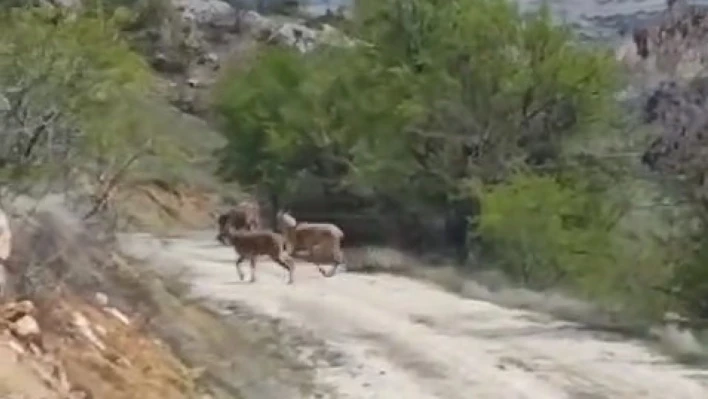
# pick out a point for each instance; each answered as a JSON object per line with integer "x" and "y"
{"x": 392, "y": 337}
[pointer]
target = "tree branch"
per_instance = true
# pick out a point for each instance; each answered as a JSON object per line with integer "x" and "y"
{"x": 101, "y": 201}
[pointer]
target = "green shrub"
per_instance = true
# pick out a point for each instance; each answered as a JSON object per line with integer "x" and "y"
{"x": 546, "y": 232}
{"x": 78, "y": 90}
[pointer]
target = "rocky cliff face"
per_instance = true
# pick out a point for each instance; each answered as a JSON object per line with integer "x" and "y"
{"x": 197, "y": 38}
{"x": 667, "y": 58}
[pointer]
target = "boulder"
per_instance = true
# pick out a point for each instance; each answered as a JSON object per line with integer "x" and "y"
{"x": 101, "y": 299}
{"x": 212, "y": 13}
{"x": 295, "y": 35}
{"x": 673, "y": 43}
{"x": 69, "y": 4}
{"x": 26, "y": 328}
{"x": 4, "y": 104}
{"x": 256, "y": 24}
{"x": 14, "y": 311}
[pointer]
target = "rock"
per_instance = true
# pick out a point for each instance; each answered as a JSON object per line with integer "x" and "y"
{"x": 101, "y": 299}
{"x": 295, "y": 35}
{"x": 212, "y": 13}
{"x": 84, "y": 327}
{"x": 292, "y": 34}
{"x": 25, "y": 327}
{"x": 101, "y": 330}
{"x": 674, "y": 43}
{"x": 119, "y": 315}
{"x": 80, "y": 393}
{"x": 256, "y": 24}
{"x": 680, "y": 110}
{"x": 333, "y": 36}
{"x": 162, "y": 63}
{"x": 4, "y": 104}
{"x": 209, "y": 58}
{"x": 16, "y": 347}
{"x": 14, "y": 311}
{"x": 674, "y": 318}
{"x": 72, "y": 4}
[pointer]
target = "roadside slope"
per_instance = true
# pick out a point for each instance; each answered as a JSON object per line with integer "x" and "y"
{"x": 386, "y": 336}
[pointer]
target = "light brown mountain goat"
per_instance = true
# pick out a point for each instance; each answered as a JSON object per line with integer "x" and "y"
{"x": 249, "y": 244}
{"x": 319, "y": 243}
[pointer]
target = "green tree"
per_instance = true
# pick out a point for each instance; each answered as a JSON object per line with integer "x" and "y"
{"x": 502, "y": 89}
{"x": 336, "y": 115}
{"x": 438, "y": 94}
{"x": 77, "y": 96}
{"x": 545, "y": 231}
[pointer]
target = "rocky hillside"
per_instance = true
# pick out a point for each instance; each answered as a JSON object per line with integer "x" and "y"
{"x": 69, "y": 349}
{"x": 195, "y": 40}
{"x": 667, "y": 58}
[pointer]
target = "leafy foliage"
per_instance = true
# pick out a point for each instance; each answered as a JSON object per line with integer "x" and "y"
{"x": 550, "y": 232}
{"x": 77, "y": 95}
{"x": 547, "y": 230}
{"x": 330, "y": 114}
{"x": 502, "y": 89}
{"x": 438, "y": 95}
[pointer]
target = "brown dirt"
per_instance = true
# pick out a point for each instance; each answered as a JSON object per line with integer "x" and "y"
{"x": 124, "y": 363}
{"x": 154, "y": 206}
{"x": 133, "y": 366}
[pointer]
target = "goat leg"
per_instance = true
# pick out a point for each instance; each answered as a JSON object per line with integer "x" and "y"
{"x": 240, "y": 259}
{"x": 338, "y": 261}
{"x": 253, "y": 269}
{"x": 333, "y": 270}
{"x": 322, "y": 271}
{"x": 287, "y": 263}
{"x": 291, "y": 271}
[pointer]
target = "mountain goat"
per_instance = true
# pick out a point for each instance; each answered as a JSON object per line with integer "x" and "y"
{"x": 321, "y": 241}
{"x": 245, "y": 215}
{"x": 249, "y": 244}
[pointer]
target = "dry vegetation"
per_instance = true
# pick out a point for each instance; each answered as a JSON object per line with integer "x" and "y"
{"x": 60, "y": 264}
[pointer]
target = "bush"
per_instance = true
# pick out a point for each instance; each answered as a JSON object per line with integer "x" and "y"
{"x": 335, "y": 115}
{"x": 556, "y": 233}
{"x": 544, "y": 231}
{"x": 78, "y": 100}
{"x": 501, "y": 89}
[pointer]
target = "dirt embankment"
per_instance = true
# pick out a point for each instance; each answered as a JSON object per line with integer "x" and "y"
{"x": 80, "y": 320}
{"x": 70, "y": 348}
